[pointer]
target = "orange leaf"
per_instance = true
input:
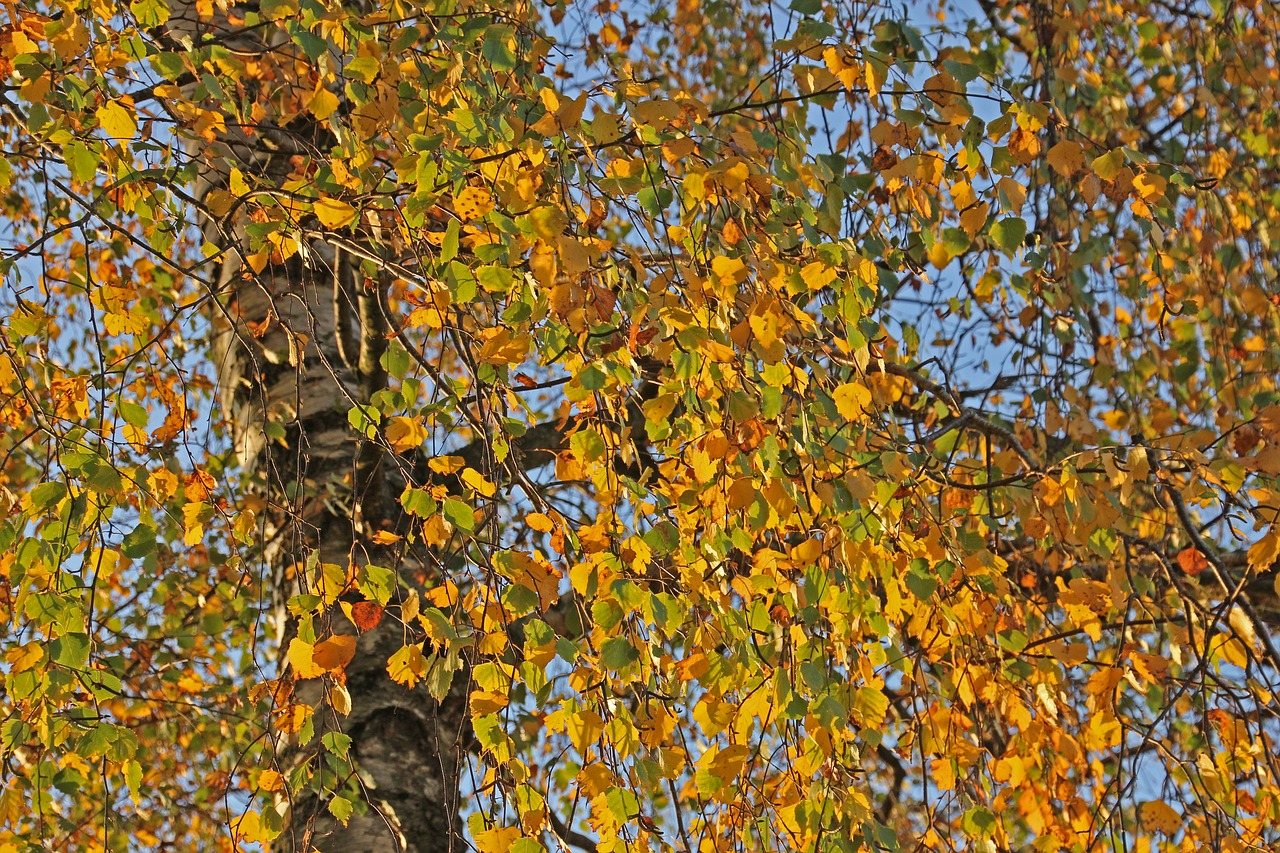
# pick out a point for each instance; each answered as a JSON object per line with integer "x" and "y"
{"x": 334, "y": 653}
{"x": 1192, "y": 561}
{"x": 366, "y": 615}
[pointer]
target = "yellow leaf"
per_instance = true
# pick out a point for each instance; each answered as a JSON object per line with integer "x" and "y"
{"x": 487, "y": 702}
{"x": 436, "y": 531}
{"x": 476, "y": 480}
{"x": 584, "y": 728}
{"x": 716, "y": 351}
{"x": 472, "y": 203}
{"x": 873, "y": 80}
{"x": 446, "y": 464}
{"x": 539, "y": 522}
{"x": 333, "y": 213}
{"x": 1152, "y": 668}
{"x": 844, "y": 67}
{"x": 548, "y": 222}
{"x": 852, "y": 401}
{"x": 1109, "y": 165}
{"x": 24, "y": 657}
{"x": 727, "y": 763}
{"x": 116, "y": 121}
{"x": 301, "y": 658}
{"x": 497, "y": 840}
{"x": 323, "y": 104}
{"x": 1243, "y": 626}
{"x": 1159, "y": 816}
{"x": 293, "y": 718}
{"x": 730, "y": 271}
{"x": 407, "y": 665}
{"x": 270, "y": 780}
{"x": 502, "y": 347}
{"x": 1066, "y": 157}
{"x": 817, "y": 275}
{"x": 405, "y": 433}
{"x": 340, "y": 699}
{"x": 1264, "y": 553}
{"x": 249, "y": 829}
{"x": 334, "y": 653}
{"x": 1150, "y": 186}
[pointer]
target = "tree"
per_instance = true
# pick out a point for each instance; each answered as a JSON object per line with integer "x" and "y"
{"x": 435, "y": 424}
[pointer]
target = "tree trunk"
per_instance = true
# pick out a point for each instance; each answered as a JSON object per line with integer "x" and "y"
{"x": 297, "y": 346}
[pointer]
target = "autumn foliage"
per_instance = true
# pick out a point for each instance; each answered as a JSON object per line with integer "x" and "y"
{"x": 716, "y": 426}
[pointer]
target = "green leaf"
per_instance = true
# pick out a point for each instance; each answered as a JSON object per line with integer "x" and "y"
{"x": 1009, "y": 232}
{"x": 45, "y": 495}
{"x": 81, "y": 162}
{"x": 922, "y": 586}
{"x": 623, "y": 803}
{"x": 593, "y": 378}
{"x": 337, "y": 743}
{"x": 150, "y": 13}
{"x": 133, "y": 414}
{"x": 617, "y": 653}
{"x": 363, "y": 68}
{"x": 71, "y": 650}
{"x": 133, "y": 777}
{"x": 449, "y": 246}
{"x": 460, "y": 515}
{"x": 341, "y": 808}
{"x": 418, "y": 502}
{"x": 497, "y": 50}
{"x": 376, "y": 583}
{"x": 395, "y": 360}
{"x": 587, "y": 445}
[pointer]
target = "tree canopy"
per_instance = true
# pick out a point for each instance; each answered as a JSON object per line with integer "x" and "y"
{"x": 726, "y": 425}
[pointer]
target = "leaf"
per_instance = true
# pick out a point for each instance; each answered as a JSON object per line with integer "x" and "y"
{"x": 1009, "y": 232}
{"x": 1192, "y": 561}
{"x": 1243, "y": 626}
{"x": 117, "y": 121}
{"x": 1066, "y": 158}
{"x": 1108, "y": 166}
{"x": 476, "y": 481}
{"x": 1159, "y": 817}
{"x": 341, "y": 808}
{"x": 323, "y": 104}
{"x": 407, "y": 665}
{"x": 500, "y": 346}
{"x": 340, "y": 699}
{"x": 333, "y": 654}
{"x": 300, "y": 657}
{"x": 497, "y": 47}
{"x": 497, "y": 840}
{"x": 366, "y": 615}
{"x": 617, "y": 653}
{"x": 363, "y": 68}
{"x": 404, "y": 433}
{"x": 133, "y": 778}
{"x": 539, "y": 522}
{"x": 460, "y": 515}
{"x": 270, "y": 780}
{"x": 1264, "y": 553}
{"x": 333, "y": 213}
{"x": 472, "y": 203}
{"x": 853, "y": 401}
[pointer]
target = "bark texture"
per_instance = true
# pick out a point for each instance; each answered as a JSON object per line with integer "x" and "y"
{"x": 297, "y": 346}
